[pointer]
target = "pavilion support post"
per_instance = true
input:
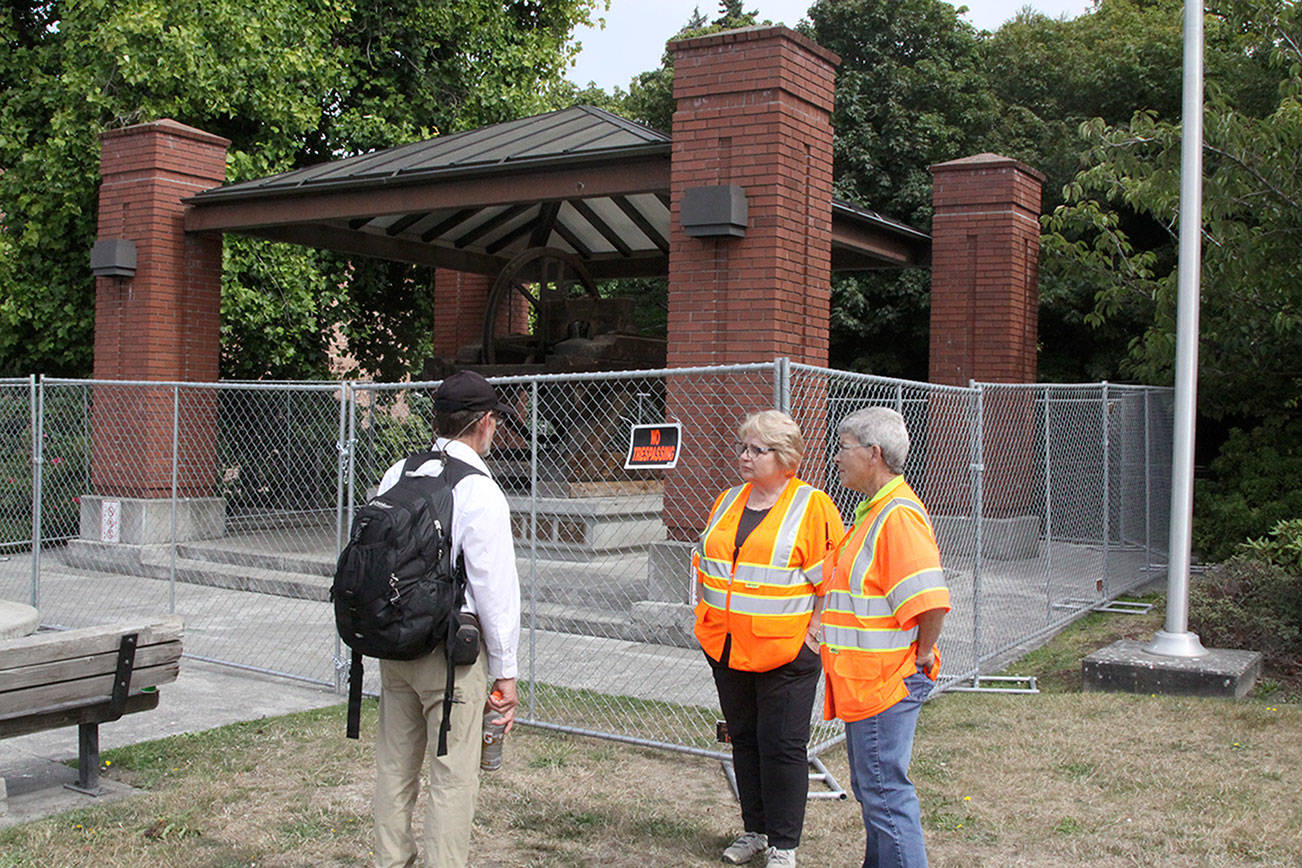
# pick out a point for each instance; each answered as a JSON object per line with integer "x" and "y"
{"x": 157, "y": 317}
{"x": 750, "y": 235}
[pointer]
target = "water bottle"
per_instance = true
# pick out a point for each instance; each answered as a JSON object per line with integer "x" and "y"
{"x": 490, "y": 759}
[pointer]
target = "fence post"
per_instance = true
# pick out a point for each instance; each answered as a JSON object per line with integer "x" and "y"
{"x": 1102, "y": 587}
{"x": 1148, "y": 490}
{"x": 176, "y": 449}
{"x": 1048, "y": 506}
{"x": 36, "y": 402}
{"x": 977, "y": 468}
{"x": 533, "y": 547}
{"x": 343, "y": 448}
{"x": 782, "y": 384}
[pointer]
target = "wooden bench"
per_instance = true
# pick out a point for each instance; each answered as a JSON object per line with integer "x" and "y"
{"x": 86, "y": 677}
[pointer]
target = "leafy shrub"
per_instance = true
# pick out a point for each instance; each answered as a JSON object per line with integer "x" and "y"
{"x": 1255, "y": 600}
{"x": 1254, "y": 483}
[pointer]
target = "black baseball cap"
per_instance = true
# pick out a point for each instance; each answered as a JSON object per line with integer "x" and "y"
{"x": 466, "y": 390}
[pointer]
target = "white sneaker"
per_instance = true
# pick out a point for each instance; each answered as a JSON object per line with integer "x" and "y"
{"x": 745, "y": 848}
{"x": 784, "y": 858}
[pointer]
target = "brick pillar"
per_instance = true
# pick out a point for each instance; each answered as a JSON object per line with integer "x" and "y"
{"x": 985, "y": 254}
{"x": 753, "y": 111}
{"x": 460, "y": 300}
{"x": 163, "y": 322}
{"x": 985, "y": 258}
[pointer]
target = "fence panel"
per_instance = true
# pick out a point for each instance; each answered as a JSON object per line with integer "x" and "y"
{"x": 227, "y": 503}
{"x": 17, "y": 483}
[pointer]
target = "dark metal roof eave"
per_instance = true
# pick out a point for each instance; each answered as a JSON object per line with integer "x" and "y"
{"x": 238, "y": 191}
{"x": 854, "y": 213}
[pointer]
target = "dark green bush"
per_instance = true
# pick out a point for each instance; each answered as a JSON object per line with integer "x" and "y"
{"x": 1254, "y": 483}
{"x": 1255, "y": 600}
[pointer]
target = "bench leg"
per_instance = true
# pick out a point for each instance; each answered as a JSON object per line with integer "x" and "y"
{"x": 87, "y": 760}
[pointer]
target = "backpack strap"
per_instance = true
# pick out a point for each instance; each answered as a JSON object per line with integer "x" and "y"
{"x": 454, "y": 470}
{"x": 355, "y": 696}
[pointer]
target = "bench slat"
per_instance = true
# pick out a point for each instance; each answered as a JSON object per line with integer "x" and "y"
{"x": 65, "y": 644}
{"x": 31, "y": 700}
{"x": 72, "y": 715}
{"x": 87, "y": 666}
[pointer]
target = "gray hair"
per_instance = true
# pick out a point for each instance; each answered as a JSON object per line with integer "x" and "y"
{"x": 879, "y": 426}
{"x": 778, "y": 430}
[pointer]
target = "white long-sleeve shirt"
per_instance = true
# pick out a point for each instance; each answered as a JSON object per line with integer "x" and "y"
{"x": 481, "y": 531}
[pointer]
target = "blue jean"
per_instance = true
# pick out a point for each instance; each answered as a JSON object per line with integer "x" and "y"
{"x": 880, "y": 748}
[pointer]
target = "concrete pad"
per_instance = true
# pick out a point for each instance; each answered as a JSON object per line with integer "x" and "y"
{"x": 1126, "y": 667}
{"x": 17, "y": 619}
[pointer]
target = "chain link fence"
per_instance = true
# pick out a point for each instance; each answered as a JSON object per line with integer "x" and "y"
{"x": 227, "y": 503}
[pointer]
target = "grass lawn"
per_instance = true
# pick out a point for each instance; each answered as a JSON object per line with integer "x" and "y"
{"x": 1062, "y": 778}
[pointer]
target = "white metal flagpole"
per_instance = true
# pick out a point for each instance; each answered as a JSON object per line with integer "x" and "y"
{"x": 1176, "y": 640}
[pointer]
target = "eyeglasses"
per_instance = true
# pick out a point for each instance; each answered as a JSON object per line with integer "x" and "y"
{"x": 846, "y": 447}
{"x": 752, "y": 450}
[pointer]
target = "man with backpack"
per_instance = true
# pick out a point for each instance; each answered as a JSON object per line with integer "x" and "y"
{"x": 466, "y": 411}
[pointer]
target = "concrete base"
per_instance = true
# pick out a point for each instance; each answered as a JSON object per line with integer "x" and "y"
{"x": 669, "y": 571}
{"x": 17, "y": 619}
{"x": 141, "y": 521}
{"x": 1126, "y": 667}
{"x": 669, "y": 623}
{"x": 1002, "y": 539}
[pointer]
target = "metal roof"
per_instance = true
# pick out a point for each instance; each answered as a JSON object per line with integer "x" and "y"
{"x": 581, "y": 179}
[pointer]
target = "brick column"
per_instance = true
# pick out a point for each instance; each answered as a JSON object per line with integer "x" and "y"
{"x": 460, "y": 300}
{"x": 985, "y": 258}
{"x": 753, "y": 111}
{"x": 985, "y": 254}
{"x": 163, "y": 322}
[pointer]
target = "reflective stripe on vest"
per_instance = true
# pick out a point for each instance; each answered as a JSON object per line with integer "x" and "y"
{"x": 884, "y": 635}
{"x": 761, "y": 589}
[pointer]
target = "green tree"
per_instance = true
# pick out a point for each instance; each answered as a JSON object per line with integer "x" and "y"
{"x": 910, "y": 92}
{"x": 291, "y": 83}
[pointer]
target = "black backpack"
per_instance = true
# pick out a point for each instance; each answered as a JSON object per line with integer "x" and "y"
{"x": 396, "y": 592}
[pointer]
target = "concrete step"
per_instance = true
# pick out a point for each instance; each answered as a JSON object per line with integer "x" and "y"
{"x": 214, "y": 552}
{"x": 155, "y": 562}
{"x": 564, "y": 618}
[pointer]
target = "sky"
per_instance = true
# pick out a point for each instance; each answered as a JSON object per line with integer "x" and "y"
{"x": 636, "y": 30}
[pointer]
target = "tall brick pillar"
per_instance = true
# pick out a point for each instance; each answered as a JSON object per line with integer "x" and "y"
{"x": 985, "y": 254}
{"x": 460, "y": 300}
{"x": 753, "y": 112}
{"x": 160, "y": 322}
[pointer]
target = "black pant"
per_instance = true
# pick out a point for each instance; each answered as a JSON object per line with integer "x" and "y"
{"x": 768, "y": 722}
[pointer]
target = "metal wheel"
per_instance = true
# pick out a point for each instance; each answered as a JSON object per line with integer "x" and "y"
{"x": 542, "y": 276}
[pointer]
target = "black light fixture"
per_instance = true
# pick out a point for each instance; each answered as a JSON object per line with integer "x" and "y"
{"x": 113, "y": 257}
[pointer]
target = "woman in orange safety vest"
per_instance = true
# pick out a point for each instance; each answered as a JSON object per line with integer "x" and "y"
{"x": 757, "y": 567}
{"x": 884, "y": 603}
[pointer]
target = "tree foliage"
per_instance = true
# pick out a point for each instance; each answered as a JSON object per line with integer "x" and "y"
{"x": 910, "y": 92}
{"x": 291, "y": 83}
{"x": 1118, "y": 228}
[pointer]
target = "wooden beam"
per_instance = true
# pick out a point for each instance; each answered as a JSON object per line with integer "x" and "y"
{"x": 546, "y": 223}
{"x": 573, "y": 240}
{"x": 381, "y": 247}
{"x": 647, "y": 173}
{"x": 490, "y": 225}
{"x": 448, "y": 224}
{"x": 402, "y": 224}
{"x": 643, "y": 224}
{"x": 586, "y": 212}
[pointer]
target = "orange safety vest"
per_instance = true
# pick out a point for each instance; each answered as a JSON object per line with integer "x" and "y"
{"x": 763, "y": 593}
{"x": 875, "y": 585}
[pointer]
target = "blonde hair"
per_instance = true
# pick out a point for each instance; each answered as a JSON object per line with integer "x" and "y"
{"x": 778, "y": 430}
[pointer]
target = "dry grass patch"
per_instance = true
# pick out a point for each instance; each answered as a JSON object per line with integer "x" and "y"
{"x": 1056, "y": 779}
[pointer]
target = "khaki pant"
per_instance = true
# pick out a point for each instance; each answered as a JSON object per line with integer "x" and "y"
{"x": 411, "y": 710}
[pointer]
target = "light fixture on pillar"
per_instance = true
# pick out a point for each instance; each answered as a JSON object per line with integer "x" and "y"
{"x": 113, "y": 257}
{"x": 713, "y": 212}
